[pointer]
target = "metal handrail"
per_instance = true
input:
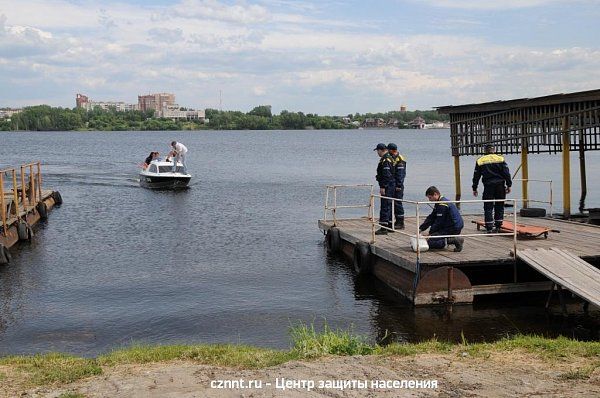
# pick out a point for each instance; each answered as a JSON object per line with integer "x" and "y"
{"x": 333, "y": 209}
{"x": 550, "y": 201}
{"x": 417, "y": 236}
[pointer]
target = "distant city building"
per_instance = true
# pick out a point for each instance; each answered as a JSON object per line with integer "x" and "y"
{"x": 82, "y": 101}
{"x": 437, "y": 125}
{"x": 402, "y": 108}
{"x": 394, "y": 123}
{"x": 163, "y": 105}
{"x": 417, "y": 123}
{"x": 6, "y": 113}
{"x": 373, "y": 122}
{"x": 159, "y": 103}
{"x": 176, "y": 113}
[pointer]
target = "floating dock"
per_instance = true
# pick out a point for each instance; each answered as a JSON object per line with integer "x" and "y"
{"x": 485, "y": 266}
{"x": 23, "y": 203}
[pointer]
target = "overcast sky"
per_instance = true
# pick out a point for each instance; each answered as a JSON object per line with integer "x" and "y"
{"x": 325, "y": 57}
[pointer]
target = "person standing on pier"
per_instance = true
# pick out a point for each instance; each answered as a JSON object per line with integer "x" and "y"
{"x": 399, "y": 174}
{"x": 496, "y": 184}
{"x": 180, "y": 152}
{"x": 445, "y": 219}
{"x": 385, "y": 178}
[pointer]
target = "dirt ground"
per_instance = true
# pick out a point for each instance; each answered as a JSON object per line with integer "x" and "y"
{"x": 500, "y": 375}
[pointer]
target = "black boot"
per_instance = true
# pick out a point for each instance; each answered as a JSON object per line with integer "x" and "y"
{"x": 399, "y": 224}
{"x": 457, "y": 242}
{"x": 381, "y": 231}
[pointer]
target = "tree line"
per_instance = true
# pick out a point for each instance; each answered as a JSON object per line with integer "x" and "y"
{"x": 47, "y": 118}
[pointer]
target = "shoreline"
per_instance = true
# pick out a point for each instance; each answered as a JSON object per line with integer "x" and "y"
{"x": 563, "y": 363}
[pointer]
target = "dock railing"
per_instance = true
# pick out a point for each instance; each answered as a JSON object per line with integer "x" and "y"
{"x": 550, "y": 198}
{"x": 19, "y": 190}
{"x": 331, "y": 199}
{"x": 418, "y": 234}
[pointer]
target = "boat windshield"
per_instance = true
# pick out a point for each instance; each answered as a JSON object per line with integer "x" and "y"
{"x": 168, "y": 169}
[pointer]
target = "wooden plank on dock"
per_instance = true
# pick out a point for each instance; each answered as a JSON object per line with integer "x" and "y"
{"x": 498, "y": 288}
{"x": 567, "y": 270}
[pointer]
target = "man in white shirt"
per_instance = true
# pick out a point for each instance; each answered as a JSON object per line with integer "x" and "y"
{"x": 180, "y": 152}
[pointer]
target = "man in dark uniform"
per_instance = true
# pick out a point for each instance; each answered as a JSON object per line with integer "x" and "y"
{"x": 385, "y": 178}
{"x": 496, "y": 184}
{"x": 445, "y": 219}
{"x": 399, "y": 174}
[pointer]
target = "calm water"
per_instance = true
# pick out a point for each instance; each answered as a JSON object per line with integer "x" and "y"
{"x": 236, "y": 258}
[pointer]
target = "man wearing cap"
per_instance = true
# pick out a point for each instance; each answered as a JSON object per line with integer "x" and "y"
{"x": 385, "y": 178}
{"x": 399, "y": 164}
{"x": 496, "y": 184}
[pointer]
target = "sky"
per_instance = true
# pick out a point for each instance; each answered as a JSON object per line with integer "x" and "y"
{"x": 324, "y": 57}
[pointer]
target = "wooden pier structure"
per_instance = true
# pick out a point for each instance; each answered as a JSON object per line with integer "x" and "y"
{"x": 566, "y": 256}
{"x": 23, "y": 203}
{"x": 485, "y": 266}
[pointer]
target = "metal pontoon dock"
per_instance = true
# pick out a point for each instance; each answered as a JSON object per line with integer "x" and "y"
{"x": 491, "y": 264}
{"x": 485, "y": 266}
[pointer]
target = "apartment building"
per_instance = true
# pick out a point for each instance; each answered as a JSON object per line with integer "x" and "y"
{"x": 82, "y": 101}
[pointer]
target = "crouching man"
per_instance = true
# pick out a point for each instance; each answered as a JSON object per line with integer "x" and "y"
{"x": 445, "y": 219}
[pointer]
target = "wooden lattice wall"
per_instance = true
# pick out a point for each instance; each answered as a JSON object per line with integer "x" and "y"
{"x": 540, "y": 127}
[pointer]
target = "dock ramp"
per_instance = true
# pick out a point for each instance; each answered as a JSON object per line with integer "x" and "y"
{"x": 567, "y": 270}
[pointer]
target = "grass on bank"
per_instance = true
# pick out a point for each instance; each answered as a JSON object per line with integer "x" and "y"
{"x": 307, "y": 344}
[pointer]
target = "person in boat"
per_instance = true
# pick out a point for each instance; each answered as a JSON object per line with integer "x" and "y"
{"x": 150, "y": 158}
{"x": 445, "y": 219}
{"x": 180, "y": 151}
{"x": 399, "y": 165}
{"x": 387, "y": 185}
{"x": 496, "y": 184}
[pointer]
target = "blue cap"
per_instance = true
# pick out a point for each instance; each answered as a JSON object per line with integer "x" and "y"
{"x": 380, "y": 146}
{"x": 392, "y": 146}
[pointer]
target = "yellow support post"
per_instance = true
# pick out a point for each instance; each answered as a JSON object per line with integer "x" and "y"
{"x": 566, "y": 161}
{"x": 525, "y": 173}
{"x": 457, "y": 178}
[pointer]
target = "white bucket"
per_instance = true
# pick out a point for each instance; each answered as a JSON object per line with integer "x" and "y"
{"x": 423, "y": 246}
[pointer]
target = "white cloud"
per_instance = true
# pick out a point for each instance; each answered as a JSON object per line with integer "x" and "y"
{"x": 213, "y": 9}
{"x": 198, "y": 47}
{"x": 490, "y": 4}
{"x": 259, "y": 91}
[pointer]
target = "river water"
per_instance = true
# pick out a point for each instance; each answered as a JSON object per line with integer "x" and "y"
{"x": 238, "y": 257}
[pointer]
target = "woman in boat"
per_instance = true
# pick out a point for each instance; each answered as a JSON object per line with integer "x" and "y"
{"x": 153, "y": 156}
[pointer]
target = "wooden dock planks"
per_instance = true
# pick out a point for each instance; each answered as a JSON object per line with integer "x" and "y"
{"x": 583, "y": 240}
{"x": 567, "y": 270}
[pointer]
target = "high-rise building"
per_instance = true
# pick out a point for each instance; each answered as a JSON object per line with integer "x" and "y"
{"x": 157, "y": 102}
{"x": 81, "y": 100}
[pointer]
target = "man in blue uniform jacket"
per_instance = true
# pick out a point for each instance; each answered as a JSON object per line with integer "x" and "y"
{"x": 399, "y": 175}
{"x": 387, "y": 186}
{"x": 445, "y": 219}
{"x": 496, "y": 184}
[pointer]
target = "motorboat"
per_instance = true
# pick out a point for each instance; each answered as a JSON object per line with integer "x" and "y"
{"x": 159, "y": 175}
